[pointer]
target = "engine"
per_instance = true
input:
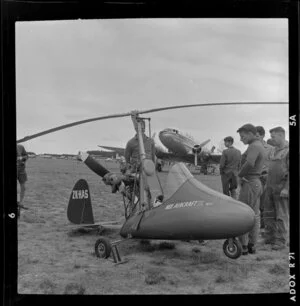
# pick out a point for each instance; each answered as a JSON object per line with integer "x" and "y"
{"x": 196, "y": 149}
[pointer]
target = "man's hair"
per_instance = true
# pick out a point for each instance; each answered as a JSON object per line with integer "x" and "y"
{"x": 260, "y": 130}
{"x": 229, "y": 139}
{"x": 278, "y": 129}
{"x": 247, "y": 128}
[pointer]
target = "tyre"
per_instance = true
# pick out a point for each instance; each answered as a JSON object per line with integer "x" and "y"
{"x": 232, "y": 249}
{"x": 102, "y": 248}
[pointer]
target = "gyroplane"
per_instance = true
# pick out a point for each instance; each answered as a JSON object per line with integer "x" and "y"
{"x": 185, "y": 210}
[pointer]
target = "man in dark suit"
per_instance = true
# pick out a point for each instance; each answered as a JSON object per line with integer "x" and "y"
{"x": 229, "y": 167}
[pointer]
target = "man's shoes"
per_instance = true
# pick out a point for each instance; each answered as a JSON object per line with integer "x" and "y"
{"x": 251, "y": 248}
{"x": 245, "y": 250}
{"x": 278, "y": 247}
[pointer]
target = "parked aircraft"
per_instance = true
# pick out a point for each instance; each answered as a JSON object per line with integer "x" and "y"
{"x": 183, "y": 148}
{"x": 179, "y": 148}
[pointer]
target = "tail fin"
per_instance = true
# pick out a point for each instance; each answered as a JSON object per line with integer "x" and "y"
{"x": 80, "y": 209}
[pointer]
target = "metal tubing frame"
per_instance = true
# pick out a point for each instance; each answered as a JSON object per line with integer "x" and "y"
{"x": 136, "y": 120}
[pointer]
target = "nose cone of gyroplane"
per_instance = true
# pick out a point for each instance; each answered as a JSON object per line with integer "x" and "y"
{"x": 211, "y": 217}
{"x": 235, "y": 218}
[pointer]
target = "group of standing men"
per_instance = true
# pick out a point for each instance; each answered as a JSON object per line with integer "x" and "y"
{"x": 261, "y": 174}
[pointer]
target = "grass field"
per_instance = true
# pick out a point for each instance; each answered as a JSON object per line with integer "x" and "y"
{"x": 53, "y": 258}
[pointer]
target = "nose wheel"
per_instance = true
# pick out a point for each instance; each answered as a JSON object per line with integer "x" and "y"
{"x": 232, "y": 248}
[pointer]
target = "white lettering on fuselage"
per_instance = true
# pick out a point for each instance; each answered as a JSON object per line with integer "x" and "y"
{"x": 188, "y": 204}
{"x": 80, "y": 194}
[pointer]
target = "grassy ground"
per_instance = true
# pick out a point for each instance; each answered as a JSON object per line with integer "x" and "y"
{"x": 53, "y": 258}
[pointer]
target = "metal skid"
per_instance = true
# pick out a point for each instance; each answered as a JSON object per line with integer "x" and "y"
{"x": 115, "y": 252}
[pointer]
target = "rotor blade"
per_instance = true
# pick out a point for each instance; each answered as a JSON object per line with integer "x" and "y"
{"x": 207, "y": 104}
{"x": 65, "y": 126}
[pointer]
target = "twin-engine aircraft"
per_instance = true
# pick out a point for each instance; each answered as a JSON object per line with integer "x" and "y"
{"x": 179, "y": 148}
{"x": 183, "y": 148}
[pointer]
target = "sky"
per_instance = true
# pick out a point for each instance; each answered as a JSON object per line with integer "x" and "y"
{"x": 73, "y": 70}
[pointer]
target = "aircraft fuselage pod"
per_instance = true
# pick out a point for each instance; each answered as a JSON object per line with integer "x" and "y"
{"x": 191, "y": 211}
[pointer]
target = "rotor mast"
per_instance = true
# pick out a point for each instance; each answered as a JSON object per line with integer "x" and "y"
{"x": 138, "y": 126}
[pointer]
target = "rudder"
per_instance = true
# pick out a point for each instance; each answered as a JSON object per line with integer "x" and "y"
{"x": 80, "y": 209}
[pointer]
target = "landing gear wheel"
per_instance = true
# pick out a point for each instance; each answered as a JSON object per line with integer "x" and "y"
{"x": 232, "y": 248}
{"x": 102, "y": 247}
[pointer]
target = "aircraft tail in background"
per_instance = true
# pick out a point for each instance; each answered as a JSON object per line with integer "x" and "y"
{"x": 80, "y": 206}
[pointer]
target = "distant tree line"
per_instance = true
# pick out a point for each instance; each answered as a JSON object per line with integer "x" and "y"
{"x": 58, "y": 155}
{"x": 95, "y": 152}
{"x": 102, "y": 153}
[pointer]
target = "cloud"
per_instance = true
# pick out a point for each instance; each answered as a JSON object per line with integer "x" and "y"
{"x": 73, "y": 70}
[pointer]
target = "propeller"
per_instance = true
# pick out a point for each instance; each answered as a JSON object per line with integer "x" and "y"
{"x": 196, "y": 159}
{"x": 153, "y": 110}
{"x": 197, "y": 149}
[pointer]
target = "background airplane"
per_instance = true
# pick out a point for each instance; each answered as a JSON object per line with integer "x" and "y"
{"x": 183, "y": 148}
{"x": 179, "y": 148}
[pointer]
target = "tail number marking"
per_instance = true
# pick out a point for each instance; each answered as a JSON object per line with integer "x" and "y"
{"x": 80, "y": 194}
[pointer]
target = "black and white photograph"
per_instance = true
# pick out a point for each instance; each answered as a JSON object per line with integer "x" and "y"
{"x": 169, "y": 170}
{"x": 153, "y": 150}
